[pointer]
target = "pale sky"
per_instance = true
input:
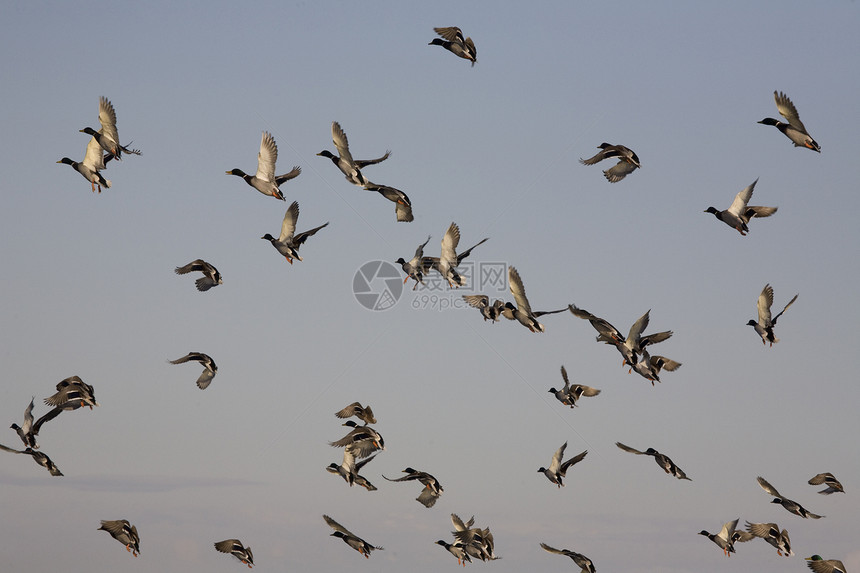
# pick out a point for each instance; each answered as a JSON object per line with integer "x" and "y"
{"x": 88, "y": 286}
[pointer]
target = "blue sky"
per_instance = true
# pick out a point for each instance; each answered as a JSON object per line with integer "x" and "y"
{"x": 88, "y": 286}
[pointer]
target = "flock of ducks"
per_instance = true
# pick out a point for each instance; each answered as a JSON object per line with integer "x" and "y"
{"x": 362, "y": 443}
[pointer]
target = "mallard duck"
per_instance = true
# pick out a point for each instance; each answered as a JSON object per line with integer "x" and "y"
{"x": 739, "y": 213}
{"x": 348, "y": 469}
{"x": 432, "y": 488}
{"x": 235, "y": 548}
{"x": 124, "y": 532}
{"x": 402, "y": 204}
{"x": 455, "y": 43}
{"x": 631, "y": 345}
{"x": 628, "y": 161}
{"x": 724, "y": 539}
{"x": 490, "y": 312}
{"x": 649, "y": 366}
{"x": 794, "y": 129}
{"x": 72, "y": 393}
{"x": 764, "y": 325}
{"x": 287, "y": 243}
{"x": 39, "y": 457}
{"x": 820, "y": 565}
{"x": 558, "y": 469}
{"x": 27, "y": 432}
{"x": 364, "y": 439}
{"x": 350, "y": 538}
{"x": 265, "y": 180}
{"x": 108, "y": 137}
{"x": 414, "y": 267}
{"x": 583, "y": 562}
{"x": 789, "y": 505}
{"x": 770, "y": 532}
{"x": 363, "y": 413}
{"x": 477, "y": 542}
{"x": 522, "y": 311}
{"x": 94, "y": 161}
{"x": 351, "y": 168}
{"x": 662, "y": 460}
{"x": 209, "y": 367}
{"x": 211, "y": 277}
{"x": 449, "y": 260}
{"x": 457, "y": 550}
{"x": 833, "y": 485}
{"x": 570, "y": 394}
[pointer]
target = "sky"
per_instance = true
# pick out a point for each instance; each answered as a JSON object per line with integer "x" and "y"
{"x": 88, "y": 286}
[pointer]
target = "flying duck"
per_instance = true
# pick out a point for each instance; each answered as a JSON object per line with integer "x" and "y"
{"x": 350, "y": 538}
{"x": 414, "y": 267}
{"x": 402, "y": 204}
{"x": 287, "y": 243}
{"x": 211, "y": 277}
{"x": 348, "y": 469}
{"x": 351, "y": 168}
{"x": 27, "y": 432}
{"x": 124, "y": 532}
{"x": 209, "y": 367}
{"x": 828, "y": 479}
{"x": 457, "y": 550}
{"x": 649, "y": 366}
{"x": 108, "y": 137}
{"x": 764, "y": 325}
{"x": 820, "y": 565}
{"x": 447, "y": 263}
{"x": 770, "y": 532}
{"x": 265, "y": 180}
{"x": 570, "y": 394}
{"x": 453, "y": 41}
{"x": 522, "y": 311}
{"x": 94, "y": 161}
{"x": 725, "y": 539}
{"x": 789, "y": 505}
{"x": 490, "y": 312}
{"x": 432, "y": 488}
{"x": 629, "y": 347}
{"x": 794, "y": 129}
{"x": 558, "y": 469}
{"x": 39, "y": 457}
{"x": 363, "y": 413}
{"x": 364, "y": 439}
{"x": 235, "y": 548}
{"x": 628, "y": 161}
{"x": 583, "y": 562}
{"x": 739, "y": 213}
{"x": 662, "y": 460}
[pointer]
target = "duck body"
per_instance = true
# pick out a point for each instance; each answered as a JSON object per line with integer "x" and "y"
{"x": 265, "y": 181}
{"x": 124, "y": 532}
{"x": 350, "y": 538}
{"x": 235, "y": 548}
{"x": 628, "y": 161}
{"x": 794, "y": 129}
{"x": 209, "y": 367}
{"x": 557, "y": 469}
{"x": 583, "y": 562}
{"x": 288, "y": 242}
{"x": 765, "y": 324}
{"x": 739, "y": 213}
{"x": 211, "y": 277}
{"x": 828, "y": 479}
{"x": 94, "y": 161}
{"x": 452, "y": 40}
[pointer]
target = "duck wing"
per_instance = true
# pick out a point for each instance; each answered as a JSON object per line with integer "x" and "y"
{"x": 451, "y": 33}
{"x": 340, "y": 141}
{"x": 288, "y": 226}
{"x": 107, "y": 119}
{"x": 765, "y": 301}
{"x": 767, "y": 487}
{"x": 574, "y": 460}
{"x": 739, "y": 205}
{"x": 773, "y": 321}
{"x": 629, "y": 449}
{"x": 556, "y": 459}
{"x": 267, "y": 157}
{"x": 518, "y": 290}
{"x": 619, "y": 171}
{"x": 788, "y": 111}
